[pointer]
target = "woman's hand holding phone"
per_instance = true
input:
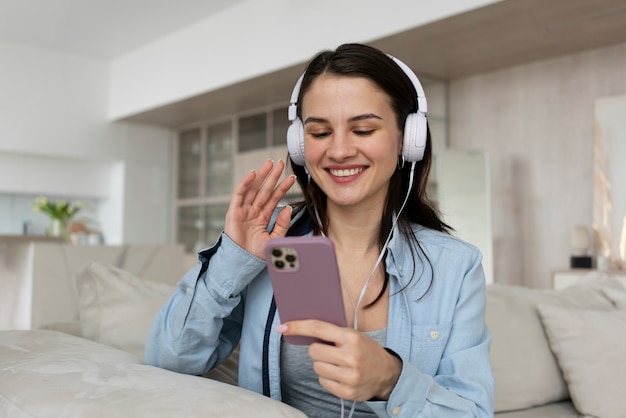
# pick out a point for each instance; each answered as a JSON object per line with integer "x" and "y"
{"x": 307, "y": 289}
{"x": 252, "y": 204}
{"x": 354, "y": 366}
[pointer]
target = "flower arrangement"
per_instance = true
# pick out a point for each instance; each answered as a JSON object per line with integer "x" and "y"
{"x": 59, "y": 209}
{"x": 60, "y": 213}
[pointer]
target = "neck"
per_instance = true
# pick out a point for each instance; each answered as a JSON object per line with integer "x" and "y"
{"x": 356, "y": 231}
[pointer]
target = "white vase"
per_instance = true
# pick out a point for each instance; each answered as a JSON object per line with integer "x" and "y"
{"x": 58, "y": 228}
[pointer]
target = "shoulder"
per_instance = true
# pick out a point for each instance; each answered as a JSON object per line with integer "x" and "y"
{"x": 454, "y": 265}
{"x": 452, "y": 262}
{"x": 437, "y": 243}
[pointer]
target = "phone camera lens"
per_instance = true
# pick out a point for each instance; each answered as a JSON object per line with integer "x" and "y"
{"x": 276, "y": 252}
{"x": 279, "y": 264}
{"x": 290, "y": 258}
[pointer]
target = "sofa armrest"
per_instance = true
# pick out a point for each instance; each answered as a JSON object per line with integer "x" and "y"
{"x": 94, "y": 380}
{"x": 69, "y": 327}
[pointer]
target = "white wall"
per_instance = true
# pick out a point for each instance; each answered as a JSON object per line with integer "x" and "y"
{"x": 148, "y": 206}
{"x": 54, "y": 104}
{"x": 256, "y": 37}
{"x": 464, "y": 199}
{"x": 55, "y": 140}
{"x": 536, "y": 122}
{"x": 37, "y": 174}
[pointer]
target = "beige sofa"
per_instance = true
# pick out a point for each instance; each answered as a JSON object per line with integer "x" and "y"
{"x": 554, "y": 354}
{"x": 559, "y": 353}
{"x": 90, "y": 363}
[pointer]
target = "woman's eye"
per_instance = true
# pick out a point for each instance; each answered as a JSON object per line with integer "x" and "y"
{"x": 318, "y": 135}
{"x": 364, "y": 132}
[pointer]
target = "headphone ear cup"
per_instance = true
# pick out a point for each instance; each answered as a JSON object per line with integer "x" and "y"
{"x": 414, "y": 141}
{"x": 295, "y": 141}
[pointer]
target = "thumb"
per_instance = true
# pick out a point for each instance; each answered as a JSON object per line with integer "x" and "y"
{"x": 282, "y": 223}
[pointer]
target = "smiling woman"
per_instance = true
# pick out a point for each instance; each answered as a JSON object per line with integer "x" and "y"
{"x": 416, "y": 342}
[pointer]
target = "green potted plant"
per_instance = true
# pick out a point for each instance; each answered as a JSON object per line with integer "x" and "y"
{"x": 60, "y": 213}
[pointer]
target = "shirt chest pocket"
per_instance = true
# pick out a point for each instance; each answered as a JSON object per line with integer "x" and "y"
{"x": 427, "y": 345}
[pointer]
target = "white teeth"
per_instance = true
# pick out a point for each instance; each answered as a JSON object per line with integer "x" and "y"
{"x": 346, "y": 173}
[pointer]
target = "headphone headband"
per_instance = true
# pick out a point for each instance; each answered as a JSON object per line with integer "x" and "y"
{"x": 293, "y": 104}
{"x": 422, "y": 106}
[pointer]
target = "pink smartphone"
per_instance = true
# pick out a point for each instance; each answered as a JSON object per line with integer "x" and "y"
{"x": 306, "y": 283}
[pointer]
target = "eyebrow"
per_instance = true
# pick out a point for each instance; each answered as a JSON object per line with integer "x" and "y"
{"x": 357, "y": 118}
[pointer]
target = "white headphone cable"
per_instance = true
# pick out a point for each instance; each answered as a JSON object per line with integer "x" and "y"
{"x": 382, "y": 253}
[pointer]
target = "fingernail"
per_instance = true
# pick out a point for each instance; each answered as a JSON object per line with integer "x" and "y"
{"x": 281, "y": 328}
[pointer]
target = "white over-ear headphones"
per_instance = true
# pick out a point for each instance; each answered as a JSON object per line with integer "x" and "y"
{"x": 413, "y": 142}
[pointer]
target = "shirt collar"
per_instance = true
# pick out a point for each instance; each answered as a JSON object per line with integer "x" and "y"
{"x": 399, "y": 260}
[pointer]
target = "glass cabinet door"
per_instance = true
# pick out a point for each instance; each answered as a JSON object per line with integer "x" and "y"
{"x": 189, "y": 163}
{"x": 199, "y": 226}
{"x": 219, "y": 158}
{"x": 214, "y": 222}
{"x": 190, "y": 228}
{"x": 209, "y": 157}
{"x": 253, "y": 132}
{"x": 280, "y": 124}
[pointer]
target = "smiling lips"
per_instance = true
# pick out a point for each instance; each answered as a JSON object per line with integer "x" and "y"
{"x": 346, "y": 172}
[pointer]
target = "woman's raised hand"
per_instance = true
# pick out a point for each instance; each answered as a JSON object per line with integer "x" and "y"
{"x": 252, "y": 204}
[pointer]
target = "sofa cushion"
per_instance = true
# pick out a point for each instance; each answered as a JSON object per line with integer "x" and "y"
{"x": 563, "y": 409}
{"x": 591, "y": 350}
{"x": 525, "y": 370}
{"x": 116, "y": 308}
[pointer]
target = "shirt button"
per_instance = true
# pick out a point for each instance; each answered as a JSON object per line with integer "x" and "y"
{"x": 396, "y": 410}
{"x": 188, "y": 290}
{"x": 434, "y": 334}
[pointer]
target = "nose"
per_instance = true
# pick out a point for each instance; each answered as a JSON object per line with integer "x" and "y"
{"x": 341, "y": 146}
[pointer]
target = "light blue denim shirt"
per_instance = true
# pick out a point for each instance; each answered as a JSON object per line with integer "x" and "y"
{"x": 441, "y": 338}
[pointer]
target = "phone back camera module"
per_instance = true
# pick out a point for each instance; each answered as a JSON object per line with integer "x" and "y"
{"x": 285, "y": 258}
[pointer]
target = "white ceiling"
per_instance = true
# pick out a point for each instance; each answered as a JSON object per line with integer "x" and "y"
{"x": 504, "y": 34}
{"x": 99, "y": 28}
{"x": 501, "y": 35}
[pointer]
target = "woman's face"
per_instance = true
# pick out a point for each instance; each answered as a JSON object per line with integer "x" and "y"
{"x": 351, "y": 140}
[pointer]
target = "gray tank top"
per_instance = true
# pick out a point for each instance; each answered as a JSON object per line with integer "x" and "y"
{"x": 301, "y": 389}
